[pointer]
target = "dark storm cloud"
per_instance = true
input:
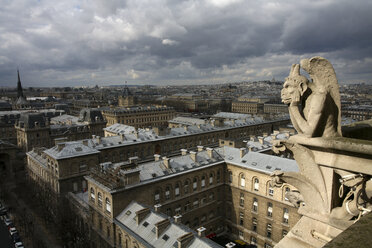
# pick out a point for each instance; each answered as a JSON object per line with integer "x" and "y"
{"x": 101, "y": 41}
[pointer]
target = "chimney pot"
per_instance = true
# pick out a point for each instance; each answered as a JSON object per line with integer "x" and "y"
{"x": 183, "y": 152}
{"x": 193, "y": 155}
{"x": 201, "y": 231}
{"x": 200, "y": 148}
{"x": 157, "y": 157}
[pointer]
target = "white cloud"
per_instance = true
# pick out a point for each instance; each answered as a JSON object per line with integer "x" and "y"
{"x": 169, "y": 42}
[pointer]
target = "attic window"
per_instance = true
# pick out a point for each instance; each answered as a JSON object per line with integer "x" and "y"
{"x": 78, "y": 149}
{"x": 145, "y": 224}
{"x": 278, "y": 168}
{"x": 165, "y": 237}
{"x": 268, "y": 167}
{"x": 254, "y": 163}
{"x": 153, "y": 230}
{"x": 153, "y": 174}
{"x": 244, "y": 161}
{"x": 128, "y": 212}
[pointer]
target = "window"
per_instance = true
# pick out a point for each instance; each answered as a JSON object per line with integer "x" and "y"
{"x": 211, "y": 215}
{"x": 230, "y": 177}
{"x": 284, "y": 233}
{"x": 241, "y": 203}
{"x": 167, "y": 193}
{"x": 108, "y": 205}
{"x": 178, "y": 209}
{"x": 218, "y": 176}
{"x": 241, "y": 218}
{"x": 108, "y": 232}
{"x": 285, "y": 215}
{"x": 253, "y": 241}
{"x": 267, "y": 246}
{"x": 99, "y": 199}
{"x": 242, "y": 180}
{"x": 196, "y": 203}
{"x": 203, "y": 182}
{"x": 269, "y": 209}
{"x": 203, "y": 200}
{"x": 195, "y": 184}
{"x": 177, "y": 190}
{"x": 268, "y": 230}
{"x": 186, "y": 187}
{"x": 254, "y": 224}
{"x": 187, "y": 206}
{"x": 92, "y": 194}
{"x": 211, "y": 196}
{"x": 271, "y": 191}
{"x": 210, "y": 179}
{"x": 168, "y": 212}
{"x": 287, "y": 190}
{"x": 255, "y": 205}
{"x": 157, "y": 196}
{"x": 83, "y": 166}
{"x": 203, "y": 219}
{"x": 256, "y": 184}
{"x": 241, "y": 234}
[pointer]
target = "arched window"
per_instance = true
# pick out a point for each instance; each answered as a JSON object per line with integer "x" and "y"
{"x": 99, "y": 199}
{"x": 177, "y": 190}
{"x": 195, "y": 184}
{"x": 108, "y": 205}
{"x": 203, "y": 181}
{"x": 167, "y": 193}
{"x": 256, "y": 185}
{"x": 157, "y": 196}
{"x": 92, "y": 194}
{"x": 186, "y": 187}
{"x": 285, "y": 215}
{"x": 230, "y": 177}
{"x": 210, "y": 178}
{"x": 242, "y": 180}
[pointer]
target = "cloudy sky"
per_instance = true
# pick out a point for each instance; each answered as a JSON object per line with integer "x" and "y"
{"x": 88, "y": 42}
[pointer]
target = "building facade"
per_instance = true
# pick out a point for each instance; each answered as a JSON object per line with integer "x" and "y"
{"x": 140, "y": 116}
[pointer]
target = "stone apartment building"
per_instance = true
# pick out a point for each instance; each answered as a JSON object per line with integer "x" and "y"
{"x": 37, "y": 130}
{"x": 139, "y": 143}
{"x": 139, "y": 116}
{"x": 223, "y": 190}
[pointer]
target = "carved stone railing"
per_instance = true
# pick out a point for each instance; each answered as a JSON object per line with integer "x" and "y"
{"x": 334, "y": 185}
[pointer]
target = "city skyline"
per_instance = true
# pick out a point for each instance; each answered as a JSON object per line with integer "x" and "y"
{"x": 157, "y": 42}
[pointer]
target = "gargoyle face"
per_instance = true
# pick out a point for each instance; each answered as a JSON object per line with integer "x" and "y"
{"x": 291, "y": 91}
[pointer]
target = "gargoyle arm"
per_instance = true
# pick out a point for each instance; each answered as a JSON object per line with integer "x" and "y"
{"x": 309, "y": 126}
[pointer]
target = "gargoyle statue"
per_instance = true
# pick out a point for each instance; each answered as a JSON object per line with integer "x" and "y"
{"x": 314, "y": 106}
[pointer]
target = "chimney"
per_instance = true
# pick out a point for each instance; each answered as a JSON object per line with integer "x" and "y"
{"x": 261, "y": 140}
{"x": 183, "y": 152}
{"x": 276, "y": 132}
{"x": 200, "y": 148}
{"x": 141, "y": 214}
{"x": 233, "y": 121}
{"x": 136, "y": 133}
{"x": 250, "y": 149}
{"x": 60, "y": 146}
{"x": 193, "y": 155}
{"x": 157, "y": 157}
{"x": 166, "y": 162}
{"x": 273, "y": 137}
{"x": 185, "y": 240}
{"x": 210, "y": 152}
{"x": 265, "y": 134}
{"x": 201, "y": 231}
{"x": 199, "y": 126}
{"x": 133, "y": 160}
{"x": 253, "y": 138}
{"x": 122, "y": 137}
{"x": 85, "y": 142}
{"x": 157, "y": 208}
{"x": 99, "y": 139}
{"x": 161, "y": 226}
{"x": 177, "y": 219}
{"x": 242, "y": 152}
{"x": 185, "y": 127}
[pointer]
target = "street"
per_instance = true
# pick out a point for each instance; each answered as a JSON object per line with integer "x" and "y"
{"x": 5, "y": 240}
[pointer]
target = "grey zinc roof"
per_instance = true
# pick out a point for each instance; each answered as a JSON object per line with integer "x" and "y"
{"x": 120, "y": 128}
{"x": 258, "y": 161}
{"x": 64, "y": 119}
{"x": 187, "y": 121}
{"x": 145, "y": 234}
{"x": 70, "y": 149}
{"x": 229, "y": 115}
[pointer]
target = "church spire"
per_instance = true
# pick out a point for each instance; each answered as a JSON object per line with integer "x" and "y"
{"x": 19, "y": 86}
